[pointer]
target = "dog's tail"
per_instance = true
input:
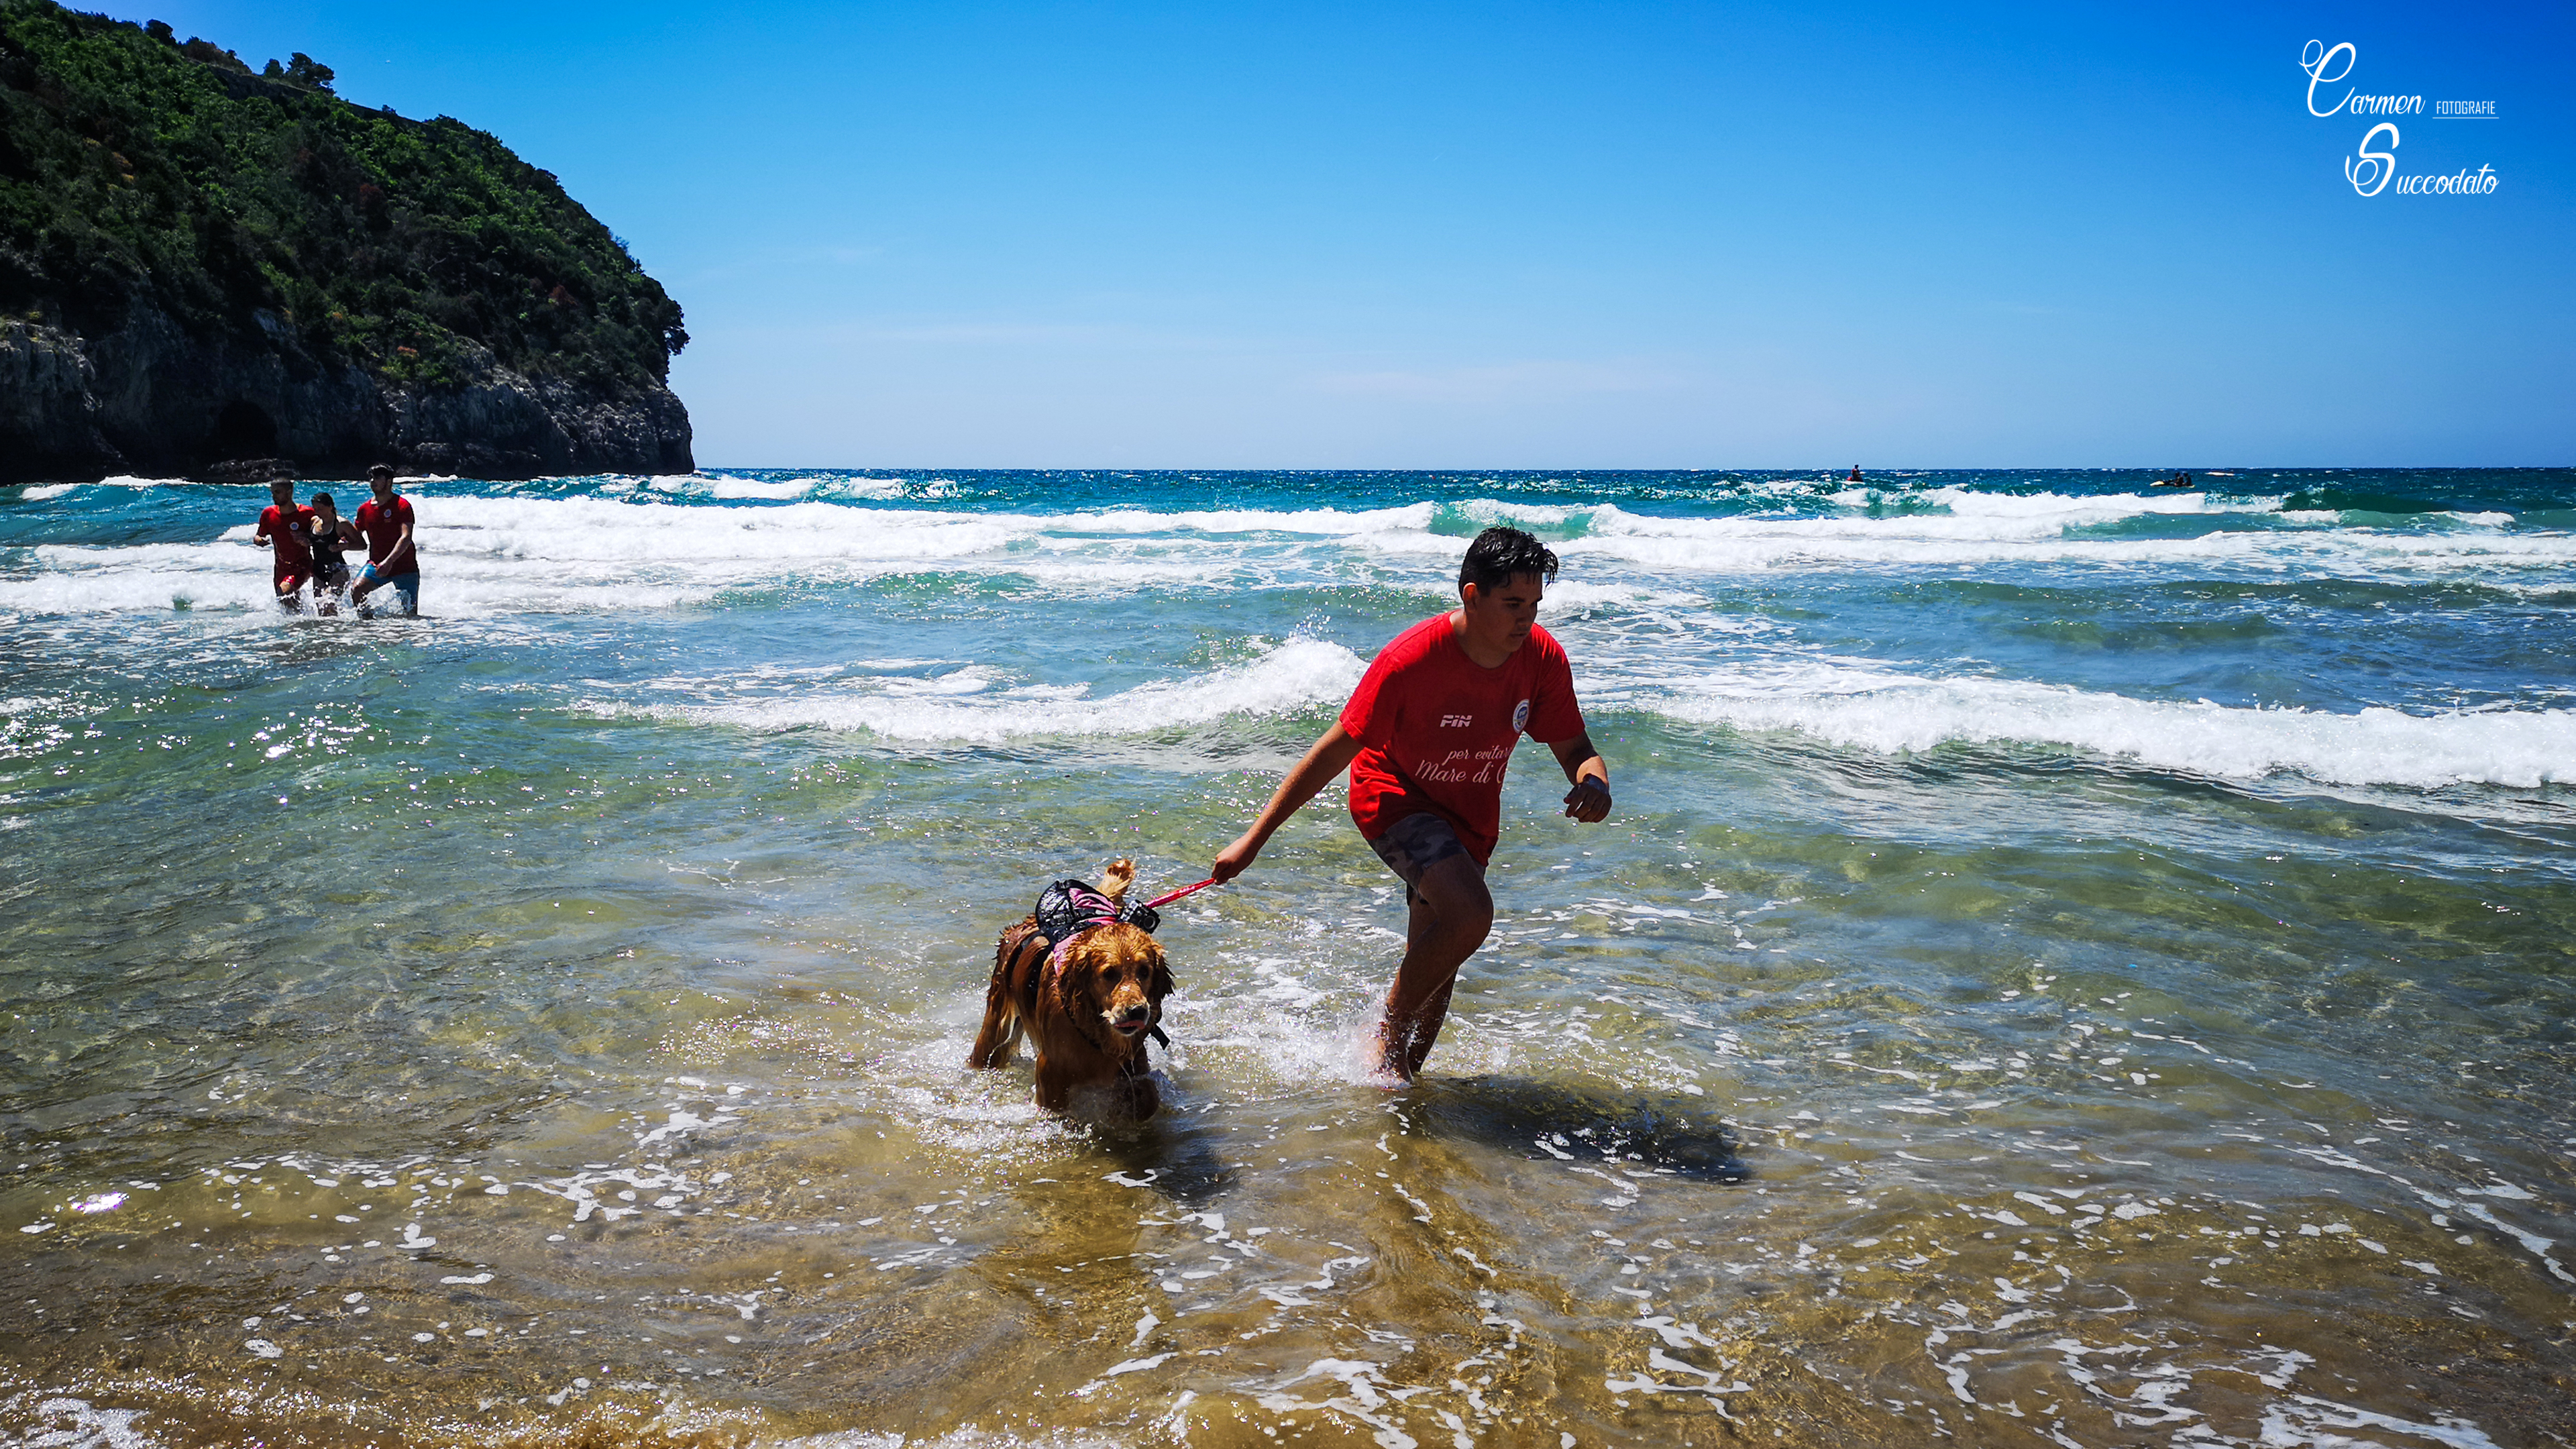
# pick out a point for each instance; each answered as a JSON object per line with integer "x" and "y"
{"x": 1012, "y": 988}
{"x": 1115, "y": 880}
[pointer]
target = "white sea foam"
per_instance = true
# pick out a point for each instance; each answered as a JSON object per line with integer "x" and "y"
{"x": 1880, "y": 711}
{"x": 723, "y": 487}
{"x": 502, "y": 555}
{"x": 964, "y": 706}
{"x": 1974, "y": 528}
{"x": 872, "y": 488}
{"x": 1492, "y": 511}
{"x": 2304, "y": 1419}
{"x": 2046, "y": 510}
{"x": 61, "y": 1421}
{"x": 1317, "y": 522}
{"x": 667, "y": 543}
{"x": 734, "y": 487}
{"x": 73, "y": 580}
{"x": 1578, "y": 598}
{"x": 757, "y": 539}
{"x": 591, "y": 542}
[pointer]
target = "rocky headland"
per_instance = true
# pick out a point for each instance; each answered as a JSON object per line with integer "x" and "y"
{"x": 211, "y": 272}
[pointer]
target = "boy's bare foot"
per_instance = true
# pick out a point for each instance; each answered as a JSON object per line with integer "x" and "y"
{"x": 1380, "y": 1065}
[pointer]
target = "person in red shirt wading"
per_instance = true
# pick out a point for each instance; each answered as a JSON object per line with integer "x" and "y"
{"x": 1426, "y": 738}
{"x": 288, "y": 526}
{"x": 386, "y": 521}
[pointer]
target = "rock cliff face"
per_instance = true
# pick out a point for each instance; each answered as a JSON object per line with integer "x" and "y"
{"x": 48, "y": 413}
{"x": 210, "y": 273}
{"x": 149, "y": 399}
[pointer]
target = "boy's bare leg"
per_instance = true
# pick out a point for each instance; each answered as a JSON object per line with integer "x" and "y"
{"x": 1451, "y": 913}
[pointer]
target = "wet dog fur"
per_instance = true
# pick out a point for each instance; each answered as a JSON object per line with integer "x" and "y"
{"x": 1087, "y": 1023}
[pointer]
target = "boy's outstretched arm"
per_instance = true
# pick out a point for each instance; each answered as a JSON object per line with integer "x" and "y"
{"x": 1589, "y": 800}
{"x": 1325, "y": 760}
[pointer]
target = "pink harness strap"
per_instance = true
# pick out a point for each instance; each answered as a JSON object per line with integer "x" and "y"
{"x": 1055, "y": 958}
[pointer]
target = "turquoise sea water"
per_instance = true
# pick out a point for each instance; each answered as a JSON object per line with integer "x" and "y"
{"x": 2073, "y": 963}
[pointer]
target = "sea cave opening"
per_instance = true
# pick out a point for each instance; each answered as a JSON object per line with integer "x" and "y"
{"x": 244, "y": 430}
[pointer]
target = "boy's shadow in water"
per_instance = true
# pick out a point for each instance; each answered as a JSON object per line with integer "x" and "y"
{"x": 1176, "y": 1151}
{"x": 1556, "y": 1120}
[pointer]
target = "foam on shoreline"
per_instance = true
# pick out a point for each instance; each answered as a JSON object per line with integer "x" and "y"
{"x": 1891, "y": 714}
{"x": 971, "y": 706}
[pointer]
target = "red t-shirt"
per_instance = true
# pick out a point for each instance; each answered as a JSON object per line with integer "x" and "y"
{"x": 383, "y": 528}
{"x": 1436, "y": 730}
{"x": 290, "y": 532}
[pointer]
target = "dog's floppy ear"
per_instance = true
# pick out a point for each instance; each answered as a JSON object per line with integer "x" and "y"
{"x": 1081, "y": 964}
{"x": 1159, "y": 984}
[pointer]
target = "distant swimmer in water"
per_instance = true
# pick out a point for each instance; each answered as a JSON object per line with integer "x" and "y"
{"x": 2179, "y": 480}
{"x": 1855, "y": 474}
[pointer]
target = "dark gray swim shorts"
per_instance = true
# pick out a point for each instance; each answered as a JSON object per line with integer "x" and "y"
{"x": 1413, "y": 845}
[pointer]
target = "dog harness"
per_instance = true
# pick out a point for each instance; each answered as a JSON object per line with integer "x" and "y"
{"x": 1070, "y": 907}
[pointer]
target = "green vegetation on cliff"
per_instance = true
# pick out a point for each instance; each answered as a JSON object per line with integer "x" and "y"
{"x": 136, "y": 168}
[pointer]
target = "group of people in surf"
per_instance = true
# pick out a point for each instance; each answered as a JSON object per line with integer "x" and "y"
{"x": 309, "y": 539}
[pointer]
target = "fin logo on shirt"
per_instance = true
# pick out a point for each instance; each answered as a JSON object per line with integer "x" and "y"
{"x": 1462, "y": 721}
{"x": 1520, "y": 716}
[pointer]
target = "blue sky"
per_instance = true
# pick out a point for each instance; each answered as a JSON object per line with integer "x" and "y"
{"x": 1597, "y": 235}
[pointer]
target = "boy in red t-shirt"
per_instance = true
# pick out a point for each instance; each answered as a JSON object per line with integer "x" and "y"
{"x": 1426, "y": 738}
{"x": 288, "y": 527}
{"x": 391, "y": 561}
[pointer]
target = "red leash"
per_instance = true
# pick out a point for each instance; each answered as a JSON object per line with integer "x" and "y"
{"x": 1158, "y": 902}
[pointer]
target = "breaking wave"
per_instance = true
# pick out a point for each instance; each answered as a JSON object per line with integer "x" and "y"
{"x": 1891, "y": 714}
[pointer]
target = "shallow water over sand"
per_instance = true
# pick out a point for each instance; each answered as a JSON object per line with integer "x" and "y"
{"x": 2070, "y": 965}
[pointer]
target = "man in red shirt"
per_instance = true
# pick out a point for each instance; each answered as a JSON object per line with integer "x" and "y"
{"x": 1426, "y": 738}
{"x": 288, "y": 527}
{"x": 386, "y": 521}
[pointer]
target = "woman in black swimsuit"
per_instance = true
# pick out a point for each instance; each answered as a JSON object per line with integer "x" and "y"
{"x": 331, "y": 533}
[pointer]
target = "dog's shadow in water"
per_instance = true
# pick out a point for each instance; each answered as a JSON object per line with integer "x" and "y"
{"x": 1173, "y": 1152}
{"x": 1559, "y": 1120}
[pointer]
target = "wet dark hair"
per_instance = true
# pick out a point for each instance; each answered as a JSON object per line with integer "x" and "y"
{"x": 1500, "y": 554}
{"x": 321, "y": 498}
{"x": 385, "y": 468}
